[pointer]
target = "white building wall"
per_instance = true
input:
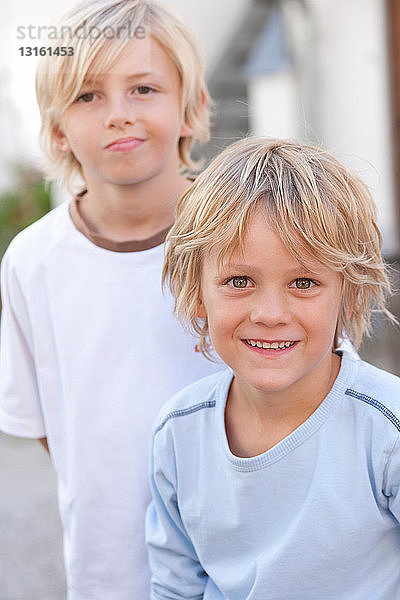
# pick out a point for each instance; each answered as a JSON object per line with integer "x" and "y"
{"x": 273, "y": 105}
{"x": 354, "y": 102}
{"x": 339, "y": 94}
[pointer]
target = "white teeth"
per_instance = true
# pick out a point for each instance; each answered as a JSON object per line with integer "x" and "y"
{"x": 269, "y": 345}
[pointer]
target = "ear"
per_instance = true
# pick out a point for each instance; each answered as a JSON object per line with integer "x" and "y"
{"x": 201, "y": 312}
{"x": 61, "y": 139}
{"x": 186, "y": 131}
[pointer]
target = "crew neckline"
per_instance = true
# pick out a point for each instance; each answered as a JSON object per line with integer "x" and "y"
{"x": 299, "y": 435}
{"x": 108, "y": 244}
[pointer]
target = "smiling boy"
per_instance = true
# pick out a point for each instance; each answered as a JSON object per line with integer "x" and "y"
{"x": 90, "y": 347}
{"x": 274, "y": 328}
{"x": 278, "y": 478}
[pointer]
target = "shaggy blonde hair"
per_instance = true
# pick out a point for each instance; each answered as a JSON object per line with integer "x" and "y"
{"x": 98, "y": 32}
{"x": 312, "y": 201}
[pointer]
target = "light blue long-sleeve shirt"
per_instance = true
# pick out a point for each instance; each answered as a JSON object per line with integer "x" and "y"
{"x": 316, "y": 517}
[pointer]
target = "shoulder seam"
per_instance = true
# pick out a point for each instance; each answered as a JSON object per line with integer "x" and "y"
{"x": 183, "y": 412}
{"x": 375, "y": 404}
{"x": 21, "y": 235}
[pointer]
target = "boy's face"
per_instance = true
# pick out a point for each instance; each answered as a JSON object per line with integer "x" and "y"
{"x": 265, "y": 297}
{"x": 124, "y": 127}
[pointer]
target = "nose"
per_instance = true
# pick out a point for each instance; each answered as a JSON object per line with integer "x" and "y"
{"x": 119, "y": 113}
{"x": 271, "y": 308}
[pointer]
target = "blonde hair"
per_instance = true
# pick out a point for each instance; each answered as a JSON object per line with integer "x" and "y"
{"x": 88, "y": 29}
{"x": 312, "y": 201}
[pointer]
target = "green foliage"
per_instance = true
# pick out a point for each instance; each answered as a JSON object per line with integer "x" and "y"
{"x": 27, "y": 202}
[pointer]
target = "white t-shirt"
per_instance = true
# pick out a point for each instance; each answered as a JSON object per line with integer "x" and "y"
{"x": 89, "y": 352}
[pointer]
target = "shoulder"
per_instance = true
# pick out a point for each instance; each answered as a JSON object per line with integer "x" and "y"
{"x": 33, "y": 242}
{"x": 194, "y": 401}
{"x": 377, "y": 391}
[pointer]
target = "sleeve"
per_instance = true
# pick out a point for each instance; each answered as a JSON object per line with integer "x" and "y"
{"x": 176, "y": 571}
{"x": 391, "y": 487}
{"x": 20, "y": 409}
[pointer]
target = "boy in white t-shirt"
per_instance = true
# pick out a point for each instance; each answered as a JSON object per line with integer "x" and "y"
{"x": 277, "y": 479}
{"x": 89, "y": 344}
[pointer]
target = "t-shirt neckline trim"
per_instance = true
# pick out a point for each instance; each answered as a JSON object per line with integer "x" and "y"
{"x": 294, "y": 439}
{"x": 107, "y": 244}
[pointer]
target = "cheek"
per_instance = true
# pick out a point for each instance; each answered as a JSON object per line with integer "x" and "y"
{"x": 322, "y": 318}
{"x": 224, "y": 318}
{"x": 81, "y": 145}
{"x": 334, "y": 307}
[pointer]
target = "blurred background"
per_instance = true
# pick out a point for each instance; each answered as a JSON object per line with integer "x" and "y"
{"x": 323, "y": 71}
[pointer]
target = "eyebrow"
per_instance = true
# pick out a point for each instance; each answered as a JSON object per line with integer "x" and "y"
{"x": 293, "y": 270}
{"x": 239, "y": 266}
{"x": 130, "y": 77}
{"x": 140, "y": 74}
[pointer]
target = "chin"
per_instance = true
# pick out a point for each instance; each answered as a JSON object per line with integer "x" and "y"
{"x": 269, "y": 385}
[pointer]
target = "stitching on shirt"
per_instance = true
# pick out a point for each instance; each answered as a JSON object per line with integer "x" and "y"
{"x": 184, "y": 412}
{"x": 376, "y": 404}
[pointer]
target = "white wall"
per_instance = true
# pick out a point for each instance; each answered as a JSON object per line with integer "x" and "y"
{"x": 354, "y": 104}
{"x": 347, "y": 106}
{"x": 273, "y": 105}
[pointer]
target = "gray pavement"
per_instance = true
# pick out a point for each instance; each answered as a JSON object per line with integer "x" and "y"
{"x": 31, "y": 564}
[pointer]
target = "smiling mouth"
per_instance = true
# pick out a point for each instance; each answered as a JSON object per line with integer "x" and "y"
{"x": 276, "y": 345}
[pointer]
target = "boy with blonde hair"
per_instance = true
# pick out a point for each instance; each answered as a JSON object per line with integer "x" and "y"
{"x": 90, "y": 347}
{"x": 278, "y": 478}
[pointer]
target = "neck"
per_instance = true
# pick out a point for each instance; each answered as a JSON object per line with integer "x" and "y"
{"x": 132, "y": 212}
{"x": 257, "y": 420}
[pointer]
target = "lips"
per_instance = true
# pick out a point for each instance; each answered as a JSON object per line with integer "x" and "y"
{"x": 124, "y": 144}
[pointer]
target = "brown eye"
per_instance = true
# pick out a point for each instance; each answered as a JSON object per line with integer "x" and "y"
{"x": 88, "y": 97}
{"x": 239, "y": 282}
{"x": 144, "y": 90}
{"x": 303, "y": 283}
